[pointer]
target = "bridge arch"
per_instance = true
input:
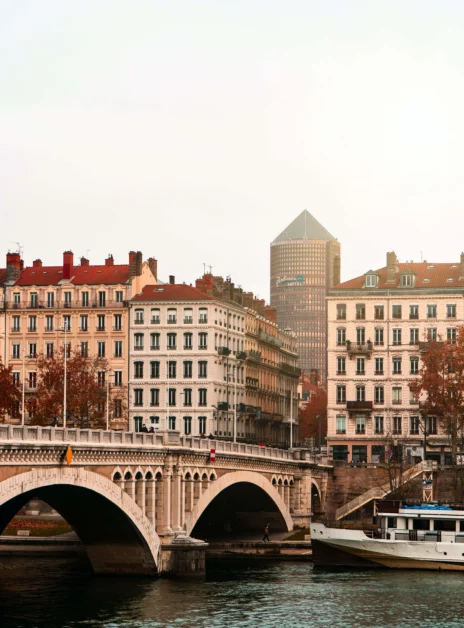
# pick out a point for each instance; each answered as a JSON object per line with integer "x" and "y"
{"x": 230, "y": 479}
{"x": 117, "y": 536}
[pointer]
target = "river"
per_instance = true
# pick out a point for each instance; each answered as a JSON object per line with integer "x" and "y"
{"x": 61, "y": 593}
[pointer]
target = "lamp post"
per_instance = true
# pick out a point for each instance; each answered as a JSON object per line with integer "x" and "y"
{"x": 291, "y": 418}
{"x": 216, "y": 416}
{"x": 108, "y": 372}
{"x": 24, "y": 388}
{"x": 318, "y": 417}
{"x": 65, "y": 359}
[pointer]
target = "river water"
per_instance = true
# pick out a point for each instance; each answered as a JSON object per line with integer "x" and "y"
{"x": 60, "y": 593}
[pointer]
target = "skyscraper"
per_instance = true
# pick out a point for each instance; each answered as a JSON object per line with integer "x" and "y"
{"x": 305, "y": 263}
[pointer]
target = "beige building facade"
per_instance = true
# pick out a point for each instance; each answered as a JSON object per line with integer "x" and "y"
{"x": 377, "y": 324}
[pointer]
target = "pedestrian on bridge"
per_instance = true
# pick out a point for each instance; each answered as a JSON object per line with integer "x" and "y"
{"x": 266, "y": 533}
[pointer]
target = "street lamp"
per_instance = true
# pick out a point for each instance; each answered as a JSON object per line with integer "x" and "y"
{"x": 216, "y": 413}
{"x": 24, "y": 388}
{"x": 65, "y": 329}
{"x": 108, "y": 372}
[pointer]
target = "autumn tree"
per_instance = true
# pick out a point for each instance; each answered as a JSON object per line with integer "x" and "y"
{"x": 10, "y": 393}
{"x": 86, "y": 390}
{"x": 440, "y": 389}
{"x": 309, "y": 424}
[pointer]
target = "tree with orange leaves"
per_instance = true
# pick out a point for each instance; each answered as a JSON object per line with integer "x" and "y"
{"x": 10, "y": 393}
{"x": 309, "y": 424}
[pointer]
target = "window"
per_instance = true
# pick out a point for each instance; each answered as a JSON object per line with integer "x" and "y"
{"x": 203, "y": 318}
{"x": 360, "y": 425}
{"x": 138, "y": 319}
{"x": 188, "y": 315}
{"x": 202, "y": 369}
{"x": 431, "y": 334}
{"x": 172, "y": 341}
{"x": 341, "y": 394}
{"x": 187, "y": 425}
{"x": 396, "y": 366}
{"x": 155, "y": 342}
{"x": 32, "y": 323}
{"x": 397, "y": 396}
{"x": 154, "y": 370}
{"x": 155, "y": 316}
{"x": 16, "y": 378}
{"x": 432, "y": 425}
{"x": 413, "y": 312}
{"x": 188, "y": 370}
{"x": 379, "y": 396}
{"x": 378, "y": 336}
{"x": 360, "y": 366}
{"x": 49, "y": 350}
{"x": 50, "y": 299}
{"x": 451, "y": 335}
{"x": 33, "y": 350}
{"x": 118, "y": 348}
{"x": 102, "y": 299}
{"x": 85, "y": 349}
{"x": 84, "y": 325}
{"x": 341, "y": 424}
{"x": 138, "y": 397}
{"x": 341, "y": 312}
{"x": 341, "y": 365}
{"x": 85, "y": 299}
{"x": 32, "y": 380}
{"x": 101, "y": 375}
{"x": 138, "y": 423}
{"x": 360, "y": 335}
{"x": 431, "y": 311}
{"x": 172, "y": 422}
{"x": 49, "y": 319}
{"x": 396, "y": 311}
{"x": 413, "y": 365}
{"x": 138, "y": 370}
{"x": 340, "y": 452}
{"x": 154, "y": 396}
{"x": 202, "y": 424}
{"x": 117, "y": 322}
{"x": 414, "y": 336}
{"x": 172, "y": 316}
{"x": 203, "y": 340}
{"x": 379, "y": 313}
{"x": 17, "y": 298}
{"x": 407, "y": 280}
{"x": 172, "y": 396}
{"x": 341, "y": 336}
{"x": 101, "y": 349}
{"x": 378, "y": 424}
{"x": 101, "y": 322}
{"x": 34, "y": 299}
{"x": 155, "y": 421}
{"x": 451, "y": 311}
{"x": 138, "y": 342}
{"x": 379, "y": 366}
{"x": 188, "y": 341}
{"x": 16, "y": 323}
{"x": 67, "y": 348}
{"x": 117, "y": 408}
{"x": 119, "y": 296}
{"x": 172, "y": 370}
{"x": 67, "y": 299}
{"x": 371, "y": 281}
{"x": 187, "y": 396}
{"x": 414, "y": 425}
{"x": 360, "y": 311}
{"x": 67, "y": 322}
{"x": 202, "y": 397}
{"x": 397, "y": 336}
{"x": 118, "y": 378}
{"x": 397, "y": 427}
{"x": 360, "y": 393}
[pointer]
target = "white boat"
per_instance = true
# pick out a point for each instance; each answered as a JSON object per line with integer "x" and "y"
{"x": 425, "y": 536}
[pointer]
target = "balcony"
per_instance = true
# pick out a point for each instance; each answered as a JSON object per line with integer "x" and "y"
{"x": 363, "y": 348}
{"x": 172, "y": 321}
{"x": 138, "y": 348}
{"x": 341, "y": 372}
{"x": 59, "y": 305}
{"x": 360, "y": 431}
{"x": 378, "y": 373}
{"x": 360, "y": 372}
{"x": 154, "y": 347}
{"x": 138, "y": 321}
{"x": 289, "y": 369}
{"x": 241, "y": 355}
{"x": 203, "y": 347}
{"x": 155, "y": 320}
{"x": 188, "y": 320}
{"x": 414, "y": 317}
{"x": 224, "y": 351}
{"x": 203, "y": 320}
{"x": 360, "y": 406}
{"x": 188, "y": 347}
{"x": 254, "y": 356}
{"x": 101, "y": 328}
{"x": 171, "y": 347}
{"x": 223, "y": 405}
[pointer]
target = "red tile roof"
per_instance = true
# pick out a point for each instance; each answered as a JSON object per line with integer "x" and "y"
{"x": 80, "y": 275}
{"x": 428, "y": 275}
{"x": 171, "y": 292}
{"x": 2, "y": 276}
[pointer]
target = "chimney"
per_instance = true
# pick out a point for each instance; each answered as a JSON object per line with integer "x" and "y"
{"x": 68, "y": 263}
{"x": 84, "y": 261}
{"x": 270, "y": 313}
{"x": 109, "y": 260}
{"x": 138, "y": 263}
{"x": 153, "y": 266}
{"x": 205, "y": 284}
{"x": 172, "y": 280}
{"x": 132, "y": 256}
{"x": 462, "y": 264}
{"x": 37, "y": 263}
{"x": 392, "y": 268}
{"x": 13, "y": 266}
{"x": 248, "y": 299}
{"x": 336, "y": 270}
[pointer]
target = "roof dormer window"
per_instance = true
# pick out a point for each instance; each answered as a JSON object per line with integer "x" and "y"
{"x": 371, "y": 280}
{"x": 407, "y": 280}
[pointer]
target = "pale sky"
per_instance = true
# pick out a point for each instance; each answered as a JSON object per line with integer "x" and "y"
{"x": 196, "y": 131}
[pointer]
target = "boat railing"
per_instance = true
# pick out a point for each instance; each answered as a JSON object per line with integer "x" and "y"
{"x": 427, "y": 536}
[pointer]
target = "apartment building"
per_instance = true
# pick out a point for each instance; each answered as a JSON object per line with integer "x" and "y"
{"x": 81, "y": 306}
{"x": 377, "y": 326}
{"x": 187, "y": 357}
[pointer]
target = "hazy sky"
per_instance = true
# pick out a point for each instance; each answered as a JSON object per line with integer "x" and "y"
{"x": 196, "y": 131}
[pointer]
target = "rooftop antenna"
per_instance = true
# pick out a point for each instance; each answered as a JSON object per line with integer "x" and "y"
{"x": 210, "y": 269}
{"x": 19, "y": 249}
{"x": 422, "y": 257}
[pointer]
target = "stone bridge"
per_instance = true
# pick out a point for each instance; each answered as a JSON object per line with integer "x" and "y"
{"x": 137, "y": 499}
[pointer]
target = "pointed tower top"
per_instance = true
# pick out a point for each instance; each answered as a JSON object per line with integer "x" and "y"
{"x": 304, "y": 227}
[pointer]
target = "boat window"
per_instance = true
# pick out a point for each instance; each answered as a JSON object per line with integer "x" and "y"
{"x": 392, "y": 522}
{"x": 461, "y": 526}
{"x": 445, "y": 525}
{"x": 421, "y": 524}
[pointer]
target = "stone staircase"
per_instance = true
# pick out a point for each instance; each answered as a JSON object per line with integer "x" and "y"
{"x": 379, "y": 492}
